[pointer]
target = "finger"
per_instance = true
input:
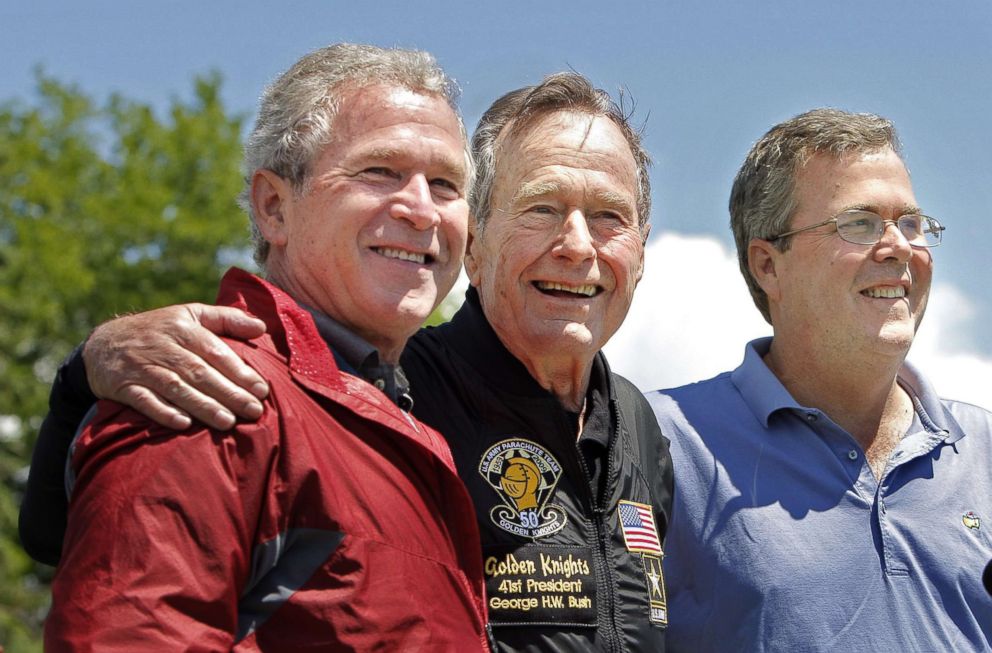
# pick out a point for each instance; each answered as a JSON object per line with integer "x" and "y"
{"x": 152, "y": 406}
{"x": 211, "y": 378}
{"x": 172, "y": 389}
{"x": 212, "y": 367}
{"x": 227, "y": 321}
{"x": 217, "y": 353}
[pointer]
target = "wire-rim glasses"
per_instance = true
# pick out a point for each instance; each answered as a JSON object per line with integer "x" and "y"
{"x": 866, "y": 228}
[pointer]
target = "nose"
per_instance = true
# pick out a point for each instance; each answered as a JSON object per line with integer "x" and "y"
{"x": 893, "y": 243}
{"x": 575, "y": 242}
{"x": 415, "y": 204}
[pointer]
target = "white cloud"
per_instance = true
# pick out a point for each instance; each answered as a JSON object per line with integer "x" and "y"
{"x": 692, "y": 316}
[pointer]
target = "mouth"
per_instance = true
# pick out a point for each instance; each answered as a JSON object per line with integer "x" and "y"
{"x": 557, "y": 289}
{"x": 404, "y": 255}
{"x": 885, "y": 292}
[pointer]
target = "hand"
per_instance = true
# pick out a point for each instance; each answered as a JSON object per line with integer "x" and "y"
{"x": 168, "y": 365}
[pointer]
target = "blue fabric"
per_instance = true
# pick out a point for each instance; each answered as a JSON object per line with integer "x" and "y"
{"x": 783, "y": 540}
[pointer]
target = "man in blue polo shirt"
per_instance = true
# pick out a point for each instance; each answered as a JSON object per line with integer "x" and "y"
{"x": 828, "y": 498}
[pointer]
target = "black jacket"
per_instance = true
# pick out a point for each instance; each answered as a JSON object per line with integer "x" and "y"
{"x": 562, "y": 574}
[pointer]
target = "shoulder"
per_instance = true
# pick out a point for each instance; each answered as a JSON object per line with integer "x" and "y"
{"x": 673, "y": 403}
{"x": 969, "y": 416}
{"x": 628, "y": 395}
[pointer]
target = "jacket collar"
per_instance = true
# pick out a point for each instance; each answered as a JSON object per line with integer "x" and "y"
{"x": 472, "y": 337}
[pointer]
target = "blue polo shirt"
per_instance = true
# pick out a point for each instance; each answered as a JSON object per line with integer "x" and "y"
{"x": 782, "y": 539}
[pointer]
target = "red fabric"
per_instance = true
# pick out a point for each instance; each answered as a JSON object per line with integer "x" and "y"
{"x": 162, "y": 527}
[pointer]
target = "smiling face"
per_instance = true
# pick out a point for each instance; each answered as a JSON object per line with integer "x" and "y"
{"x": 375, "y": 239}
{"x": 847, "y": 297}
{"x": 558, "y": 258}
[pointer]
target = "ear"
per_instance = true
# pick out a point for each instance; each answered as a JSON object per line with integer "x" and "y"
{"x": 644, "y": 245}
{"x": 471, "y": 258}
{"x": 764, "y": 262}
{"x": 271, "y": 199}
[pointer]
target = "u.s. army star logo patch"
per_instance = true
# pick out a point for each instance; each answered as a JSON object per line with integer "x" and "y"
{"x": 524, "y": 475}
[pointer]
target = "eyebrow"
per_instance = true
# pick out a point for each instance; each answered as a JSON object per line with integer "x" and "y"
{"x": 533, "y": 190}
{"x": 907, "y": 209}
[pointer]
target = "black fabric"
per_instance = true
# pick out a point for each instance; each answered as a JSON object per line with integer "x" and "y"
{"x": 470, "y": 388}
{"x": 42, "y": 519}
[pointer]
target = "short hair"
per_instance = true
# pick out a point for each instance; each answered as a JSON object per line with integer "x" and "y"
{"x": 763, "y": 199}
{"x": 296, "y": 112}
{"x": 517, "y": 110}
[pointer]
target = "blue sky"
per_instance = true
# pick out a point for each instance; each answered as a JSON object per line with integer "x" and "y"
{"x": 708, "y": 78}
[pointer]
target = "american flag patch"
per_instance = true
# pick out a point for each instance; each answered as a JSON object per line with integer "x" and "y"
{"x": 639, "y": 532}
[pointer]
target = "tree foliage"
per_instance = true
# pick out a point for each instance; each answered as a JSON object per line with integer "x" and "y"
{"x": 104, "y": 208}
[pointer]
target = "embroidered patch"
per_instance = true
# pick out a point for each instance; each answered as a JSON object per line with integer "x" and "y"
{"x": 658, "y": 604}
{"x": 971, "y": 520}
{"x": 524, "y": 476}
{"x": 534, "y": 584}
{"x": 639, "y": 531}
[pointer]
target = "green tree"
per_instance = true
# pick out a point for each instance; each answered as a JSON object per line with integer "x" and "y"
{"x": 104, "y": 208}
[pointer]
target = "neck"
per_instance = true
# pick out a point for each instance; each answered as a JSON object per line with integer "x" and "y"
{"x": 566, "y": 377}
{"x": 859, "y": 393}
{"x": 389, "y": 347}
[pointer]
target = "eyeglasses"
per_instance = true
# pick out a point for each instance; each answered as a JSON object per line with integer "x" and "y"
{"x": 866, "y": 228}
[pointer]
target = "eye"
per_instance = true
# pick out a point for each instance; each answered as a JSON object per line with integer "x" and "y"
{"x": 609, "y": 217}
{"x": 380, "y": 171}
{"x": 859, "y": 224}
{"x": 913, "y": 223}
{"x": 445, "y": 188}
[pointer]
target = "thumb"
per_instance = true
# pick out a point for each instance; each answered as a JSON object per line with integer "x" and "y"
{"x": 227, "y": 321}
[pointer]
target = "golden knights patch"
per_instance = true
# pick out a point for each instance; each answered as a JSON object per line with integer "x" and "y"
{"x": 524, "y": 475}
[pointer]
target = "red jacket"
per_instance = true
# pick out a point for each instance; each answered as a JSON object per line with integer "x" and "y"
{"x": 335, "y": 522}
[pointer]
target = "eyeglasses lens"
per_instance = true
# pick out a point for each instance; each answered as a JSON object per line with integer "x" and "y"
{"x": 866, "y": 228}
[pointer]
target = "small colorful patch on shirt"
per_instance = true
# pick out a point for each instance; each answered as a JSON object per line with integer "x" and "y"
{"x": 524, "y": 476}
{"x": 971, "y": 520}
{"x": 639, "y": 531}
{"x": 657, "y": 603}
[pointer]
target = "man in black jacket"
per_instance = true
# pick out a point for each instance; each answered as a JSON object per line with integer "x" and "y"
{"x": 569, "y": 473}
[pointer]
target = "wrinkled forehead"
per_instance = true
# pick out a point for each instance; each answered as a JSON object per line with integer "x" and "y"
{"x": 388, "y": 119}
{"x": 581, "y": 141}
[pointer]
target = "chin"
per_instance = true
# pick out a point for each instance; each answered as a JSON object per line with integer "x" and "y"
{"x": 576, "y": 338}
{"x": 895, "y": 339}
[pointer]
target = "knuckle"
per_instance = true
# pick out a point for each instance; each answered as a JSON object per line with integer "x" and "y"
{"x": 175, "y": 387}
{"x": 198, "y": 374}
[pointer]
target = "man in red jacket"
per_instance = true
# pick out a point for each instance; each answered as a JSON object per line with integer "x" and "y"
{"x": 337, "y": 520}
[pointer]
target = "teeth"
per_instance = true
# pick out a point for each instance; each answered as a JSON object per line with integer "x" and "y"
{"x": 588, "y": 289}
{"x": 888, "y": 292}
{"x": 401, "y": 254}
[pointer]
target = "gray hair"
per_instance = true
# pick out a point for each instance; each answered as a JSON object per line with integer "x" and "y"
{"x": 763, "y": 200}
{"x": 296, "y": 112}
{"x": 517, "y": 110}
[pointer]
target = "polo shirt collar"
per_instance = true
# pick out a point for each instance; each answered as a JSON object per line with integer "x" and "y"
{"x": 928, "y": 406}
{"x": 762, "y": 391}
{"x": 764, "y": 394}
